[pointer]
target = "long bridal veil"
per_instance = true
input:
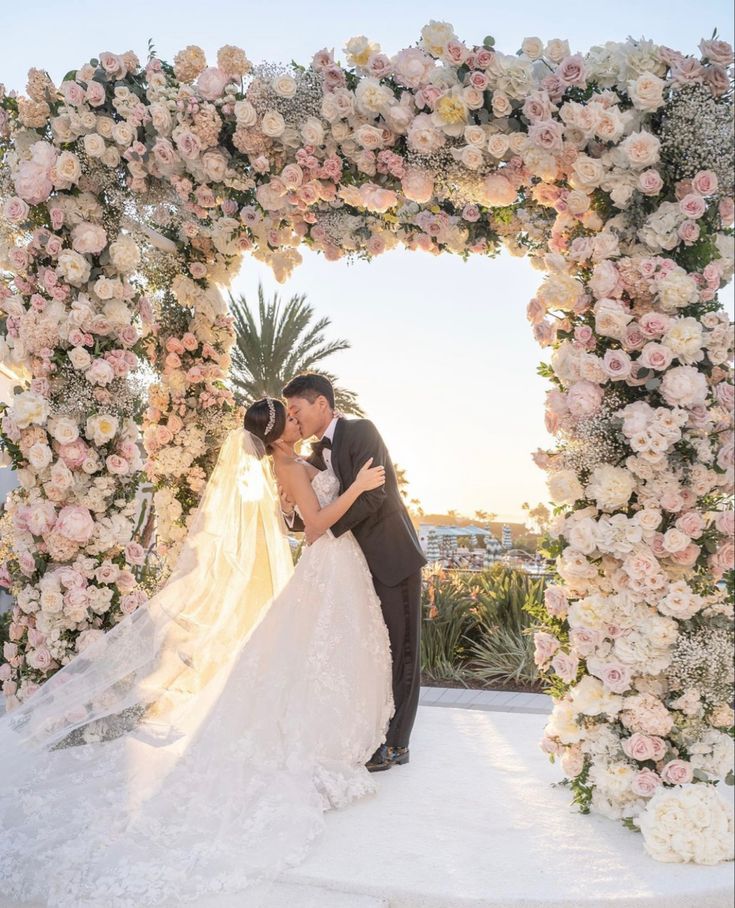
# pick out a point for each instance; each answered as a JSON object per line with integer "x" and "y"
{"x": 155, "y": 675}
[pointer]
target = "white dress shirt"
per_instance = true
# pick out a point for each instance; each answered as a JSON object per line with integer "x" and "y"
{"x": 327, "y": 452}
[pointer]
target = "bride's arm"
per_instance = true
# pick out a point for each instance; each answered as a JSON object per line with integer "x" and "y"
{"x": 296, "y": 482}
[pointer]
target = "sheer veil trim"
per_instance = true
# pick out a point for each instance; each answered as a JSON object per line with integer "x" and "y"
{"x": 141, "y": 676}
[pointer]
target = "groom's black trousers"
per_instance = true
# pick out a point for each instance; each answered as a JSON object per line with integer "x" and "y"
{"x": 401, "y": 607}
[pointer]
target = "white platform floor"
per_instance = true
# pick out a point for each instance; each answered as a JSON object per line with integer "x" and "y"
{"x": 474, "y": 822}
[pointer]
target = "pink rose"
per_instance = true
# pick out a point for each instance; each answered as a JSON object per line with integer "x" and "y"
{"x": 724, "y": 558}
{"x": 117, "y": 465}
{"x": 572, "y": 71}
{"x": 726, "y": 209}
{"x": 650, "y": 182}
{"x": 135, "y": 553}
{"x": 132, "y": 601}
{"x": 73, "y": 454}
{"x": 418, "y": 186}
{"x": 95, "y": 94}
{"x": 497, "y": 191}
{"x": 705, "y": 182}
{"x": 677, "y": 772}
{"x": 725, "y": 522}
{"x": 33, "y": 182}
{"x": 584, "y": 398}
{"x": 565, "y": 665}
{"x": 211, "y": 83}
{"x": 616, "y": 364}
{"x": 693, "y": 205}
{"x": 687, "y": 557}
{"x": 691, "y": 523}
{"x": 15, "y": 210}
{"x": 88, "y": 238}
{"x": 725, "y": 394}
{"x": 615, "y": 676}
{"x": 75, "y": 523}
{"x": 716, "y": 51}
{"x": 645, "y": 783}
{"x": 584, "y": 640}
{"x": 689, "y": 232}
{"x": 654, "y": 324}
{"x": 639, "y": 747}
{"x": 572, "y": 761}
{"x": 545, "y": 645}
{"x": 556, "y": 601}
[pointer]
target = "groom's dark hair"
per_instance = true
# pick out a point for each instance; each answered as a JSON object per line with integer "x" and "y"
{"x": 310, "y": 385}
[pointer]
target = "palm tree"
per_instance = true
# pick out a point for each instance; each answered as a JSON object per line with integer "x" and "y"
{"x": 279, "y": 342}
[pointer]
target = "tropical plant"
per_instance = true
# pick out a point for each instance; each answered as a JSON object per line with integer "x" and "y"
{"x": 277, "y": 341}
{"x": 448, "y": 616}
{"x": 477, "y": 626}
{"x": 502, "y": 648}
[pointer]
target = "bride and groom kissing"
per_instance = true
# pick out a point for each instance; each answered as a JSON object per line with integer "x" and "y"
{"x": 195, "y": 748}
{"x": 356, "y": 462}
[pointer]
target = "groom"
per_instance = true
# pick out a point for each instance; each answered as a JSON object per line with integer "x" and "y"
{"x": 384, "y": 532}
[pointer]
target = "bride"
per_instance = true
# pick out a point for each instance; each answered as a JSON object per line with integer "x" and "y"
{"x": 195, "y": 747}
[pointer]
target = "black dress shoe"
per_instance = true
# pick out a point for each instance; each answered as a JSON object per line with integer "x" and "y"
{"x": 398, "y": 755}
{"x": 380, "y": 760}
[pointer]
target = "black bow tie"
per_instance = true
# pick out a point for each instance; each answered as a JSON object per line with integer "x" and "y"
{"x": 319, "y": 446}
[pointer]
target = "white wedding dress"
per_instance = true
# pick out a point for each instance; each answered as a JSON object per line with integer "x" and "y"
{"x": 235, "y": 797}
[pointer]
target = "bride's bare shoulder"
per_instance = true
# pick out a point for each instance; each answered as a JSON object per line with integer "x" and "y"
{"x": 288, "y": 467}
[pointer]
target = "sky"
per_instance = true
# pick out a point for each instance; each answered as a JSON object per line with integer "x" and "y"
{"x": 442, "y": 357}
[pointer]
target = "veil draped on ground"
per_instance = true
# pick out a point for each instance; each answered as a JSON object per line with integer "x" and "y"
{"x": 157, "y": 672}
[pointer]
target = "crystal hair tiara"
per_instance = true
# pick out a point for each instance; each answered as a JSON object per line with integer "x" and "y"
{"x": 271, "y": 415}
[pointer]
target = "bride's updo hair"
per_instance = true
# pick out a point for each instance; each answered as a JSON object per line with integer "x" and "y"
{"x": 265, "y": 413}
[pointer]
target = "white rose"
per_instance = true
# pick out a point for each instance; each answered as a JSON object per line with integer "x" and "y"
{"x": 124, "y": 254}
{"x": 684, "y": 338}
{"x": 63, "y": 430}
{"x": 564, "y": 487}
{"x": 39, "y": 456}
{"x": 123, "y": 133}
{"x": 647, "y": 92}
{"x": 435, "y": 36}
{"x": 533, "y": 48}
{"x": 677, "y": 290}
{"x": 67, "y": 169}
{"x": 472, "y": 157}
{"x": 245, "y": 113}
{"x": 94, "y": 145}
{"x": 273, "y": 124}
{"x": 684, "y": 386}
{"x": 641, "y": 149}
{"x": 312, "y": 131}
{"x": 101, "y": 428}
{"x": 111, "y": 157}
{"x": 29, "y": 409}
{"x": 611, "y": 487}
{"x": 74, "y": 268}
{"x": 556, "y": 50}
{"x": 284, "y": 86}
{"x": 498, "y": 145}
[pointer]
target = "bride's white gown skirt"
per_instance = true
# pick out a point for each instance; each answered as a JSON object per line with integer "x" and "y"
{"x": 143, "y": 819}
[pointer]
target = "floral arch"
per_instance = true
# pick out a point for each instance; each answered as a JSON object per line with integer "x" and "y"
{"x": 131, "y": 193}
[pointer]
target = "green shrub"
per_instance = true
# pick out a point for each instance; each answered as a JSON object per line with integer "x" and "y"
{"x": 477, "y": 627}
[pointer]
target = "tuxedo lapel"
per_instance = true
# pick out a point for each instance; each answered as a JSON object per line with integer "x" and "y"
{"x": 336, "y": 449}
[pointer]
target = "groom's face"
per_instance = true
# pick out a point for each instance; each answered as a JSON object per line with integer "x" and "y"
{"x": 312, "y": 417}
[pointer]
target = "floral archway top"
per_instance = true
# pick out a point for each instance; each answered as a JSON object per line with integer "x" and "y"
{"x": 131, "y": 193}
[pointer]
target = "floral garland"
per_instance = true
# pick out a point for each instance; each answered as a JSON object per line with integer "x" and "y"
{"x": 130, "y": 195}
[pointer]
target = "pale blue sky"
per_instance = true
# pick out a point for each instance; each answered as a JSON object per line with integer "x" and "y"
{"x": 442, "y": 356}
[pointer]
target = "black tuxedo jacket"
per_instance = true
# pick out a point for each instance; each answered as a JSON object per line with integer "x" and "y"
{"x": 378, "y": 519}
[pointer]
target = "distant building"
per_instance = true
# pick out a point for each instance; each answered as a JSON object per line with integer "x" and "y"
{"x": 507, "y": 537}
{"x": 469, "y": 548}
